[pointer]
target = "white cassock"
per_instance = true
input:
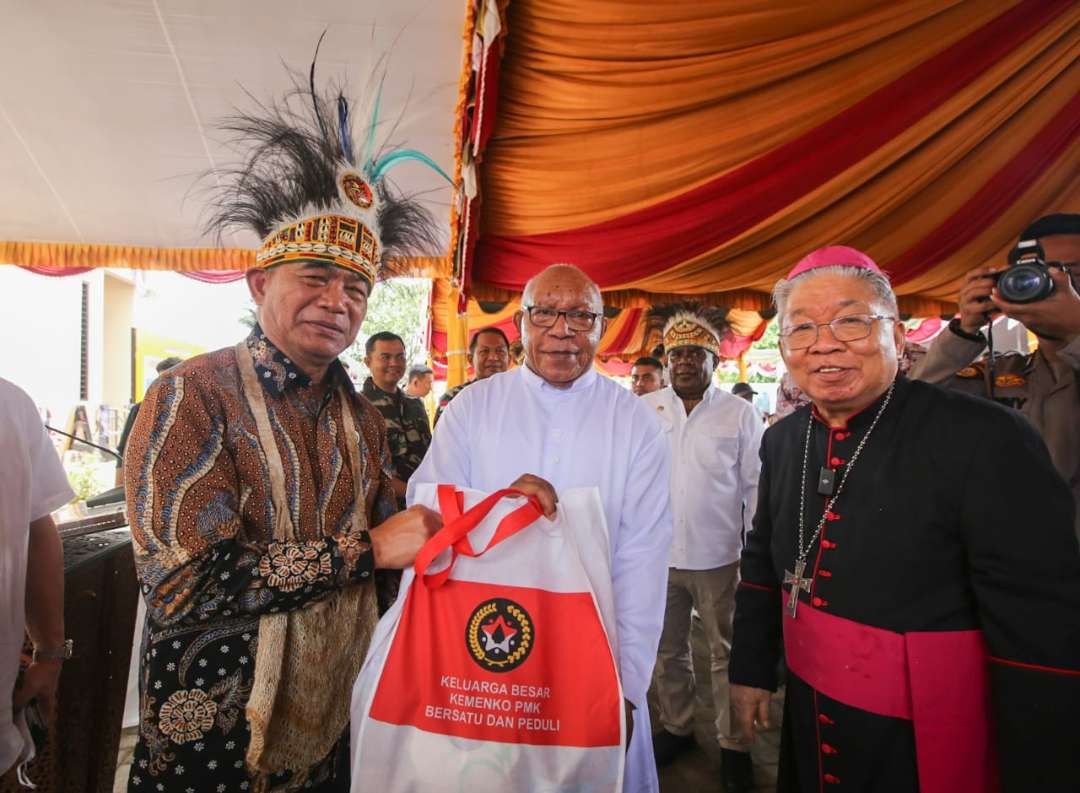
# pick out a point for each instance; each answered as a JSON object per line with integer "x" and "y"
{"x": 593, "y": 434}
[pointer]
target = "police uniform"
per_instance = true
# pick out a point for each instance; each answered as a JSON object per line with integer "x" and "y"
{"x": 1047, "y": 394}
{"x": 408, "y": 434}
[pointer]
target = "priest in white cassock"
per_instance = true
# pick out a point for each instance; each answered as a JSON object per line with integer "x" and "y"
{"x": 554, "y": 424}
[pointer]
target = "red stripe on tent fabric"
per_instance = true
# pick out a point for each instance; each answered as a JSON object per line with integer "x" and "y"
{"x": 55, "y": 272}
{"x": 734, "y": 345}
{"x": 1000, "y": 191}
{"x": 214, "y": 276}
{"x": 657, "y": 238}
{"x": 626, "y": 333}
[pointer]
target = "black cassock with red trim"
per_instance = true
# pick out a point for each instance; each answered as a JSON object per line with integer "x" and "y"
{"x": 943, "y": 602}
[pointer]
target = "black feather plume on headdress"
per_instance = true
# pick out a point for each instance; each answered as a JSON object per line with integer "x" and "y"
{"x": 295, "y": 151}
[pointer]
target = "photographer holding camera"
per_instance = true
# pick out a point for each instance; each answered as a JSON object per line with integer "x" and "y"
{"x": 1042, "y": 285}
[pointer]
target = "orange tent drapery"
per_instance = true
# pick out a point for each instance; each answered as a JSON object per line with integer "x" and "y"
{"x": 626, "y": 337}
{"x": 609, "y": 109}
{"x": 64, "y": 255}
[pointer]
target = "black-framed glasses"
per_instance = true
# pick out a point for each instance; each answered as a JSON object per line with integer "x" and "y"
{"x": 851, "y": 327}
{"x": 576, "y": 320}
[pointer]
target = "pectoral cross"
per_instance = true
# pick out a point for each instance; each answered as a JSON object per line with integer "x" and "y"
{"x": 797, "y": 582}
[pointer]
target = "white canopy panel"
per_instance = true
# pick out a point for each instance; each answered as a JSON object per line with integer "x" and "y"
{"x": 108, "y": 107}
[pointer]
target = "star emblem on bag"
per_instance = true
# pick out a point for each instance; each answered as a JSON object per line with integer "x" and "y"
{"x": 499, "y": 635}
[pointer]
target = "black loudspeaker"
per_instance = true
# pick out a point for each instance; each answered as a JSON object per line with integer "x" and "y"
{"x": 100, "y": 596}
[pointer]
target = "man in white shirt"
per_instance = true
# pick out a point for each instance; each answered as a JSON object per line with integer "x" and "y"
{"x": 555, "y": 424}
{"x": 714, "y": 440}
{"x": 32, "y": 485}
{"x": 646, "y": 376}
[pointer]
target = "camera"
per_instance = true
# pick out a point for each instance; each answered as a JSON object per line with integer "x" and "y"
{"x": 1028, "y": 279}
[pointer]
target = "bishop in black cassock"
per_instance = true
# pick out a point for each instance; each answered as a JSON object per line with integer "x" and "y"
{"x": 933, "y": 640}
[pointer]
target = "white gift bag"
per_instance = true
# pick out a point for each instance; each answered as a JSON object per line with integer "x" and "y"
{"x": 495, "y": 670}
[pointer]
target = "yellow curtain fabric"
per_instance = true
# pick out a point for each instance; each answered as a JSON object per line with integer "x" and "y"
{"x": 66, "y": 255}
{"x": 457, "y": 340}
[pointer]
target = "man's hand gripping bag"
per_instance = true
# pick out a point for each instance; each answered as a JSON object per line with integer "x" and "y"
{"x": 494, "y": 670}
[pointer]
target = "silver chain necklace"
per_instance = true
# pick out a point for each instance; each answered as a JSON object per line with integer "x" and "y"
{"x": 795, "y": 579}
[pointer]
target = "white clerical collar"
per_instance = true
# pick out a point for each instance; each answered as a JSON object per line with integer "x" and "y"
{"x": 533, "y": 380}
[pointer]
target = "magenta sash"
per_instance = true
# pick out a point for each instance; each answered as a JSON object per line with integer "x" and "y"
{"x": 936, "y": 679}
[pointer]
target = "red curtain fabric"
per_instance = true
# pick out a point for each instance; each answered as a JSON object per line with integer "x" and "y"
{"x": 215, "y": 276}
{"x": 56, "y": 272}
{"x": 956, "y": 144}
{"x": 659, "y": 237}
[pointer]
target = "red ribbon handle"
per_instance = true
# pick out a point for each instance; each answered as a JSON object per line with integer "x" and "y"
{"x": 458, "y": 523}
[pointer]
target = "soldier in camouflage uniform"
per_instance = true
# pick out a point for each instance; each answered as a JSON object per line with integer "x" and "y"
{"x": 489, "y": 353}
{"x": 1044, "y": 385}
{"x": 407, "y": 432}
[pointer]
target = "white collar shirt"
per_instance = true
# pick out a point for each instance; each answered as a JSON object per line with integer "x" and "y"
{"x": 714, "y": 474}
{"x": 594, "y": 433}
{"x": 32, "y": 485}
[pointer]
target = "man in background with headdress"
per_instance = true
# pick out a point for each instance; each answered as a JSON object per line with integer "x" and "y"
{"x": 714, "y": 439}
{"x": 914, "y": 548}
{"x": 258, "y": 481}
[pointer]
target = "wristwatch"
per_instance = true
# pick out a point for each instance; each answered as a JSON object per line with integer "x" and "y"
{"x": 954, "y": 326}
{"x": 62, "y": 653}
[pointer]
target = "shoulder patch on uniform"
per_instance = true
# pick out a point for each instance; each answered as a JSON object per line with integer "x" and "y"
{"x": 1010, "y": 380}
{"x": 969, "y": 371}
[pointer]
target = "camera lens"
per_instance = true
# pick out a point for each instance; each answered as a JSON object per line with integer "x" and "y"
{"x": 1025, "y": 283}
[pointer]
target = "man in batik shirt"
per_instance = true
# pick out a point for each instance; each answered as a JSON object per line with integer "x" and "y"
{"x": 259, "y": 490}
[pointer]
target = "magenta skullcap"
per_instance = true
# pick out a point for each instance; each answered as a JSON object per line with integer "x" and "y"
{"x": 833, "y": 256}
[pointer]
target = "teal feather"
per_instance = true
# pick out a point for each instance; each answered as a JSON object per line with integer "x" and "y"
{"x": 398, "y": 156}
{"x": 368, "y": 156}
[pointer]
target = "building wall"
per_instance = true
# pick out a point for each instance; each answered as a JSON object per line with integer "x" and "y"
{"x": 40, "y": 321}
{"x": 118, "y": 309}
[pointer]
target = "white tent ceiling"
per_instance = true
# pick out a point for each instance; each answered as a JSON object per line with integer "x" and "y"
{"x": 107, "y": 107}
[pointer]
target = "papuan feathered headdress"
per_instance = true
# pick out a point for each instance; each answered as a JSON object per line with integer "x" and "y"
{"x": 314, "y": 192}
{"x": 689, "y": 324}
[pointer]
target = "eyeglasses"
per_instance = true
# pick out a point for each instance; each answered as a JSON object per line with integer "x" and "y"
{"x": 848, "y": 328}
{"x": 576, "y": 320}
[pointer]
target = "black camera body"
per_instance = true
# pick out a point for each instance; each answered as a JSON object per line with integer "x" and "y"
{"x": 1028, "y": 279}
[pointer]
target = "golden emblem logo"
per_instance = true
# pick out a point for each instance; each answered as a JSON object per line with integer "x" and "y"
{"x": 499, "y": 635}
{"x": 356, "y": 190}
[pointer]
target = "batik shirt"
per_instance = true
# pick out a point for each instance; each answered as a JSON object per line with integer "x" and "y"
{"x": 408, "y": 434}
{"x": 201, "y": 516}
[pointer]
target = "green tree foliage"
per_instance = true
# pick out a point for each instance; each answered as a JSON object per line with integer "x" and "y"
{"x": 770, "y": 340}
{"x": 400, "y": 306}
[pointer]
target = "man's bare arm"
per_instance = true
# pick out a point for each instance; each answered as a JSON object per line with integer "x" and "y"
{"x": 44, "y": 614}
